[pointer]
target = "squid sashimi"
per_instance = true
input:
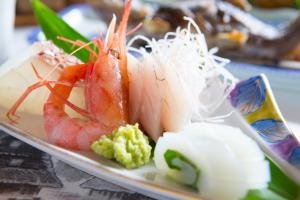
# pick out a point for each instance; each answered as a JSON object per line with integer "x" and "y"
{"x": 218, "y": 160}
{"x": 182, "y": 81}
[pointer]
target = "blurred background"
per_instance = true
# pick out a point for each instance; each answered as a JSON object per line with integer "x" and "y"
{"x": 252, "y": 31}
{"x": 259, "y": 36}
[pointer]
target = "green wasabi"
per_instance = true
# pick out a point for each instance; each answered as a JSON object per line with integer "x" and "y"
{"x": 127, "y": 145}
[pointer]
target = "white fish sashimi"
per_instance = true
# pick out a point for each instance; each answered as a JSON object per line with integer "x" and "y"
{"x": 150, "y": 108}
{"x": 164, "y": 104}
{"x": 135, "y": 88}
{"x": 189, "y": 81}
{"x": 20, "y": 70}
{"x": 177, "y": 108}
{"x": 231, "y": 163}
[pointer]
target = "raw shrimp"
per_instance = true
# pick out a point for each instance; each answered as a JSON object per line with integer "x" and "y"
{"x": 105, "y": 83}
{"x": 60, "y": 128}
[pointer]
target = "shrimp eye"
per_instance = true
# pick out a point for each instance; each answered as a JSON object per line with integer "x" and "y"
{"x": 115, "y": 53}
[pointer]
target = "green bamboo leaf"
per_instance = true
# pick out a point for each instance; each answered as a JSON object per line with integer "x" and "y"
{"x": 297, "y": 3}
{"x": 282, "y": 184}
{"x": 281, "y": 187}
{"x": 264, "y": 194}
{"x": 53, "y": 26}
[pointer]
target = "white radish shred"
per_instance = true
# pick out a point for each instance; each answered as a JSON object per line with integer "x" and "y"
{"x": 183, "y": 82}
{"x": 230, "y": 162}
{"x": 189, "y": 81}
{"x": 196, "y": 67}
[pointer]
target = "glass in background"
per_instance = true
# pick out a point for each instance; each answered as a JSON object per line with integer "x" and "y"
{"x": 7, "y": 19}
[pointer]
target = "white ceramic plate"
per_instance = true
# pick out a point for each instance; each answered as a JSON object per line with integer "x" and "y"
{"x": 30, "y": 129}
{"x": 144, "y": 180}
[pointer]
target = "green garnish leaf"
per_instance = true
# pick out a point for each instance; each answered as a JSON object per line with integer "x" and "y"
{"x": 53, "y": 26}
{"x": 184, "y": 171}
{"x": 282, "y": 184}
{"x": 297, "y": 2}
{"x": 264, "y": 194}
{"x": 281, "y": 187}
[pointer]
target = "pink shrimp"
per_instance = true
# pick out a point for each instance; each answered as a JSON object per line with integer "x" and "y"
{"x": 106, "y": 92}
{"x": 60, "y": 128}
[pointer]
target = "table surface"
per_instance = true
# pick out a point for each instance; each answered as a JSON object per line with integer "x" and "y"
{"x": 28, "y": 173}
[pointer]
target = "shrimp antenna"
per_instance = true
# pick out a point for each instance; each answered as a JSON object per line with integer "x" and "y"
{"x": 76, "y": 50}
{"x": 134, "y": 29}
{"x": 78, "y": 43}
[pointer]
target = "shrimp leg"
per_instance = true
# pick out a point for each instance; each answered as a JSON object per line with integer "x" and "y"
{"x": 12, "y": 111}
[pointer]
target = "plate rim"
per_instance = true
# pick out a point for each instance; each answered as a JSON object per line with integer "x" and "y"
{"x": 94, "y": 168}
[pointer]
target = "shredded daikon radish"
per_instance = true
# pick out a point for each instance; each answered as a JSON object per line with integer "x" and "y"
{"x": 201, "y": 74}
{"x": 182, "y": 81}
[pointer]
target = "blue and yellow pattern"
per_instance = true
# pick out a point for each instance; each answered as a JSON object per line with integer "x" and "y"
{"x": 253, "y": 96}
{"x": 254, "y": 99}
{"x": 271, "y": 130}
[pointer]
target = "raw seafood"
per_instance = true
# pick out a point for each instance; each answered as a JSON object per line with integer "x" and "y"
{"x": 230, "y": 163}
{"x": 105, "y": 81}
{"x": 44, "y": 56}
{"x": 178, "y": 81}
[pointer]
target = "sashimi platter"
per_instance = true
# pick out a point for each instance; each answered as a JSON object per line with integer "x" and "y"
{"x": 165, "y": 119}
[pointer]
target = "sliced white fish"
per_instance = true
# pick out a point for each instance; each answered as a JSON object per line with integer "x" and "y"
{"x": 19, "y": 69}
{"x": 152, "y": 99}
{"x": 182, "y": 80}
{"x": 176, "y": 109}
{"x": 135, "y": 88}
